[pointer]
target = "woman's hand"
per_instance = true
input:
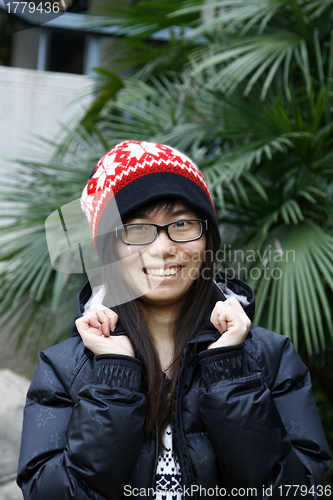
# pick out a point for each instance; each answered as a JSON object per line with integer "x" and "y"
{"x": 94, "y": 329}
{"x": 230, "y": 320}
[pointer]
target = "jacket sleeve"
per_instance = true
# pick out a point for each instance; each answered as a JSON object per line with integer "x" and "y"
{"x": 84, "y": 450}
{"x": 264, "y": 435}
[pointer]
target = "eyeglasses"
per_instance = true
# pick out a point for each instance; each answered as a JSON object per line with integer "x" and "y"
{"x": 178, "y": 231}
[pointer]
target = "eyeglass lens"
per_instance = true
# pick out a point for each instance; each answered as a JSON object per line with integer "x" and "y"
{"x": 184, "y": 230}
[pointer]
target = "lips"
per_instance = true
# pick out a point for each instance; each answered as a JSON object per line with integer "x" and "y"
{"x": 168, "y": 271}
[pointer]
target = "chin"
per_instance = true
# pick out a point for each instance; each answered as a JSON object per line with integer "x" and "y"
{"x": 159, "y": 295}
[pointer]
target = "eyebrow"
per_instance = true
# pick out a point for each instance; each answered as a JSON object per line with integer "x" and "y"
{"x": 176, "y": 213}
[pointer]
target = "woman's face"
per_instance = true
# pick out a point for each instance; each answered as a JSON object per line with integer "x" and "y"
{"x": 165, "y": 268}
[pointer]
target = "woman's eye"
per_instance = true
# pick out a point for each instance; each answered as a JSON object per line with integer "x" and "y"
{"x": 138, "y": 228}
{"x": 182, "y": 224}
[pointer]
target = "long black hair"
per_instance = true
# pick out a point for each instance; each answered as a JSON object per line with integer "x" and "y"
{"x": 185, "y": 327}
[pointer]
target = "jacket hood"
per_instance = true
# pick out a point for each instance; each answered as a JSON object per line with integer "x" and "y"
{"x": 225, "y": 286}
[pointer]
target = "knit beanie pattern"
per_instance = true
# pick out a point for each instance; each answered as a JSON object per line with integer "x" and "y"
{"x": 136, "y": 172}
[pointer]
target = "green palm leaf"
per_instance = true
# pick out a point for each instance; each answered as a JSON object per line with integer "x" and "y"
{"x": 38, "y": 300}
{"x": 297, "y": 287}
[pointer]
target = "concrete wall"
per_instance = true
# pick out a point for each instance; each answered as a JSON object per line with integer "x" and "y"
{"x": 34, "y": 104}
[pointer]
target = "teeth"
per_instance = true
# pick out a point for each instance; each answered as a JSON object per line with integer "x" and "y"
{"x": 170, "y": 271}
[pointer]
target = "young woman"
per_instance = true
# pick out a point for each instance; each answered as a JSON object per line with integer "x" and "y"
{"x": 181, "y": 398}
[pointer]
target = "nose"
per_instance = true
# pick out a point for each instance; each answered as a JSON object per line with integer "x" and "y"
{"x": 162, "y": 245}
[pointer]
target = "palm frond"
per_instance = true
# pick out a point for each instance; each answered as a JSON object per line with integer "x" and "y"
{"x": 230, "y": 16}
{"x": 296, "y": 287}
{"x": 316, "y": 8}
{"x": 251, "y": 59}
{"x": 31, "y": 291}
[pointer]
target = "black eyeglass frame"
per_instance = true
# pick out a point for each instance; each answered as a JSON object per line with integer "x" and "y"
{"x": 165, "y": 227}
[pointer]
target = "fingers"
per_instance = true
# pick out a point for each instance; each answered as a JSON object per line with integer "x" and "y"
{"x": 101, "y": 318}
{"x": 222, "y": 314}
{"x": 242, "y": 314}
{"x": 87, "y": 321}
{"x": 229, "y": 315}
{"x": 105, "y": 322}
{"x": 232, "y": 301}
{"x": 218, "y": 317}
{"x": 231, "y": 321}
{"x": 110, "y": 315}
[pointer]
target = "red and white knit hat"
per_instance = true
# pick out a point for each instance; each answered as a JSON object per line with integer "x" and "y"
{"x": 134, "y": 173}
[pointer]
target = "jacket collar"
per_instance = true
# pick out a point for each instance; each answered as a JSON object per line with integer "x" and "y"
{"x": 224, "y": 287}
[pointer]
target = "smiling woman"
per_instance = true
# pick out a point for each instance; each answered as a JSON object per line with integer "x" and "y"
{"x": 164, "y": 388}
{"x": 172, "y": 252}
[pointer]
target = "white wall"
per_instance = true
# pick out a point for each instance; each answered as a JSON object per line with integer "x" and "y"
{"x": 35, "y": 103}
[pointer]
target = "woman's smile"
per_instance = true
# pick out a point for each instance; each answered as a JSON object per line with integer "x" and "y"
{"x": 164, "y": 270}
{"x": 167, "y": 271}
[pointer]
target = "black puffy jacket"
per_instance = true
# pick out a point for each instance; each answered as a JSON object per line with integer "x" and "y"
{"x": 245, "y": 421}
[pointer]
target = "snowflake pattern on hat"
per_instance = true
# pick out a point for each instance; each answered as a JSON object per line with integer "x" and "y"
{"x": 127, "y": 162}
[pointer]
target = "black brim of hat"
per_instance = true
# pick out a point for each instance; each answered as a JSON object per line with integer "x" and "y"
{"x": 155, "y": 187}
